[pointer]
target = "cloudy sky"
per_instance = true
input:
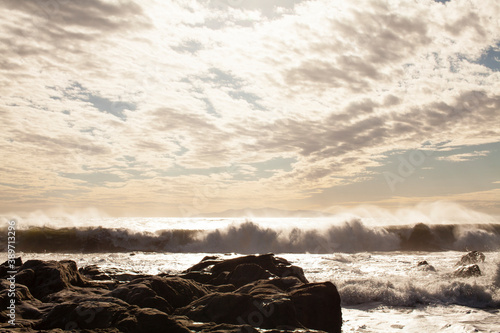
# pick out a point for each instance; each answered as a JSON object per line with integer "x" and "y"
{"x": 180, "y": 107}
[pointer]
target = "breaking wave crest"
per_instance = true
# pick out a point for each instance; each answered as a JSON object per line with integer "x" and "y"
{"x": 406, "y": 294}
{"x": 250, "y": 237}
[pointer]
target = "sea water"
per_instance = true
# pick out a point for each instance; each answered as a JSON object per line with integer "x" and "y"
{"x": 382, "y": 287}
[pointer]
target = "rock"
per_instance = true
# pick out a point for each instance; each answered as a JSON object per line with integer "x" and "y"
{"x": 220, "y": 328}
{"x": 10, "y": 265}
{"x": 95, "y": 273}
{"x": 234, "y": 295}
{"x": 239, "y": 309}
{"x": 152, "y": 320}
{"x": 467, "y": 271}
{"x": 103, "y": 315}
{"x": 424, "y": 266}
{"x": 162, "y": 293}
{"x": 268, "y": 262}
{"x": 266, "y": 304}
{"x": 247, "y": 273}
{"x": 16, "y": 262}
{"x": 472, "y": 257}
{"x": 270, "y": 287}
{"x": 27, "y": 307}
{"x": 318, "y": 306}
{"x": 47, "y": 277}
{"x": 205, "y": 263}
{"x": 200, "y": 277}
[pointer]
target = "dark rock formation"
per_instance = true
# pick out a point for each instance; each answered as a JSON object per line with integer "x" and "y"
{"x": 237, "y": 308}
{"x": 318, "y": 306}
{"x": 472, "y": 257}
{"x": 424, "y": 266}
{"x": 100, "y": 315}
{"x": 235, "y": 295}
{"x": 7, "y": 266}
{"x": 94, "y": 272}
{"x": 46, "y": 277}
{"x": 217, "y": 272}
{"x": 467, "y": 271}
{"x": 162, "y": 293}
{"x": 279, "y": 303}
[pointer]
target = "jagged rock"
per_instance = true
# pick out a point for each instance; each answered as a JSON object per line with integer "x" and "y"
{"x": 264, "y": 304}
{"x": 318, "y": 306}
{"x": 247, "y": 273}
{"x": 96, "y": 273}
{"x": 236, "y": 295}
{"x": 26, "y": 306}
{"x": 235, "y": 308}
{"x": 162, "y": 293}
{"x": 270, "y": 287}
{"x": 93, "y": 272}
{"x": 47, "y": 277}
{"x": 12, "y": 265}
{"x": 467, "y": 271}
{"x": 103, "y": 315}
{"x": 218, "y": 272}
{"x": 472, "y": 257}
{"x": 205, "y": 263}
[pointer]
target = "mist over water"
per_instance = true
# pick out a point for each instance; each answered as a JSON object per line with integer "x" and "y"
{"x": 426, "y": 227}
{"x": 250, "y": 237}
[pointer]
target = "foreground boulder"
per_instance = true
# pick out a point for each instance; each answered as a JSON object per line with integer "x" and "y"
{"x": 318, "y": 306}
{"x": 162, "y": 293}
{"x": 102, "y": 315}
{"x": 46, "y": 277}
{"x": 284, "y": 304}
{"x": 214, "y": 296}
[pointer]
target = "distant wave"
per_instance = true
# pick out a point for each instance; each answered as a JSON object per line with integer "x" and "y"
{"x": 406, "y": 294}
{"x": 249, "y": 237}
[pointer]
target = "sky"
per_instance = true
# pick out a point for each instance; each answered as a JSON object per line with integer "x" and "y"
{"x": 179, "y": 108}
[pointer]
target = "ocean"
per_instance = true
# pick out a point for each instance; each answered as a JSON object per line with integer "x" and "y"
{"x": 374, "y": 266}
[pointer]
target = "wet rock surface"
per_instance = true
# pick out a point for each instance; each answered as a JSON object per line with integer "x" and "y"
{"x": 472, "y": 257}
{"x": 236, "y": 295}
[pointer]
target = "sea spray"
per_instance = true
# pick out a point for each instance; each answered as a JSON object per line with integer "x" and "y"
{"x": 251, "y": 237}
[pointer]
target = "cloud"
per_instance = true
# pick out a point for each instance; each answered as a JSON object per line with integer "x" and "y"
{"x": 202, "y": 92}
{"x": 464, "y": 157}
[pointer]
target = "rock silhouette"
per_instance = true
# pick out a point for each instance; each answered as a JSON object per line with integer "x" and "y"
{"x": 215, "y": 295}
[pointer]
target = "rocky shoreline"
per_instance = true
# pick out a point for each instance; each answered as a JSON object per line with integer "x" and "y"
{"x": 215, "y": 295}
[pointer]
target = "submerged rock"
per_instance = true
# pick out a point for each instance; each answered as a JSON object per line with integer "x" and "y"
{"x": 467, "y": 271}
